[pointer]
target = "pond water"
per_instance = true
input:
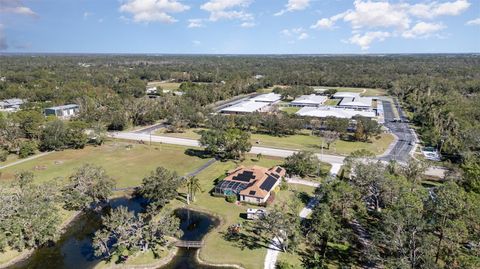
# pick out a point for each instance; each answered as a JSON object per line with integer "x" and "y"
{"x": 74, "y": 248}
{"x": 195, "y": 225}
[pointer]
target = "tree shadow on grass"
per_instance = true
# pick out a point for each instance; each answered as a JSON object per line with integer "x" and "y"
{"x": 336, "y": 256}
{"x": 247, "y": 239}
{"x": 198, "y": 153}
{"x": 303, "y": 196}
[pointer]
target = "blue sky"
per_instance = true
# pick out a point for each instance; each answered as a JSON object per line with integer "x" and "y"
{"x": 240, "y": 26}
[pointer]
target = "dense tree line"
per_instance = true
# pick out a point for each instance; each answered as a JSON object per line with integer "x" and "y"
{"x": 109, "y": 88}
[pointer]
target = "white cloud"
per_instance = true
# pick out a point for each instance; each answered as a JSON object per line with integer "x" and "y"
{"x": 377, "y": 14}
{"x": 366, "y": 39}
{"x": 435, "y": 9}
{"x": 377, "y": 20}
{"x": 227, "y": 9}
{"x": 324, "y": 23}
{"x": 295, "y": 33}
{"x": 16, "y": 7}
{"x": 294, "y": 5}
{"x": 423, "y": 30}
{"x": 153, "y": 10}
{"x": 3, "y": 39}
{"x": 303, "y": 36}
{"x": 195, "y": 23}
{"x": 196, "y": 43}
{"x": 474, "y": 22}
{"x": 247, "y": 24}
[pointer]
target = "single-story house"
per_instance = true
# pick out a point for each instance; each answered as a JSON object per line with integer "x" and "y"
{"x": 252, "y": 185}
{"x": 11, "y": 104}
{"x": 246, "y": 107}
{"x": 267, "y": 98}
{"x": 64, "y": 112}
{"x": 323, "y": 112}
{"x": 309, "y": 100}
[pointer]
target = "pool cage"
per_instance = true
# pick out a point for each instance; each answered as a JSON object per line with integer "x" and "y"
{"x": 227, "y": 187}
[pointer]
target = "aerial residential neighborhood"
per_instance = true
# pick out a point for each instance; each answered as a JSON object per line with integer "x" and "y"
{"x": 244, "y": 134}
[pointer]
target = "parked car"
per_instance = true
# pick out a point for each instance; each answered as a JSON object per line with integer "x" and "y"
{"x": 253, "y": 213}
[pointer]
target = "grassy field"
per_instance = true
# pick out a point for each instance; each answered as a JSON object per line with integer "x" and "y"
{"x": 217, "y": 249}
{"x": 304, "y": 141}
{"x": 332, "y": 102}
{"x": 290, "y": 110}
{"x": 164, "y": 85}
{"x": 367, "y": 92}
{"x": 126, "y": 166}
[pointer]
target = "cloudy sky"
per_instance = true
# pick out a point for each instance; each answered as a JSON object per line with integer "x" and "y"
{"x": 240, "y": 26}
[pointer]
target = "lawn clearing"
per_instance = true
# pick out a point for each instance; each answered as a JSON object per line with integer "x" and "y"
{"x": 303, "y": 141}
{"x": 332, "y": 102}
{"x": 164, "y": 85}
{"x": 126, "y": 166}
{"x": 363, "y": 91}
{"x": 290, "y": 110}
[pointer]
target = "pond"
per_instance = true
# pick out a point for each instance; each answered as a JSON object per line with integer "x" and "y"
{"x": 74, "y": 248}
{"x": 195, "y": 225}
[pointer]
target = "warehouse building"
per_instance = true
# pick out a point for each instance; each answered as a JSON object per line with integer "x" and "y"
{"x": 270, "y": 98}
{"x": 323, "y": 112}
{"x": 246, "y": 107}
{"x": 311, "y": 100}
{"x": 63, "y": 112}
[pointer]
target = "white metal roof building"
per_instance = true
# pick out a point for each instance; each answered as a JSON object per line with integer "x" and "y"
{"x": 356, "y": 103}
{"x": 65, "y": 111}
{"x": 346, "y": 95}
{"x": 267, "y": 98}
{"x": 309, "y": 100}
{"x": 323, "y": 112}
{"x": 11, "y": 104}
{"x": 246, "y": 107}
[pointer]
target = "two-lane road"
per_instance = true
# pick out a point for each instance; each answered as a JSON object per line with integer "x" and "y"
{"x": 332, "y": 159}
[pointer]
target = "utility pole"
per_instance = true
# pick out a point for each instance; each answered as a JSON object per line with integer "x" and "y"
{"x": 321, "y": 155}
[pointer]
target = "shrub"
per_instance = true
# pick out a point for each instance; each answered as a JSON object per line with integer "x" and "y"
{"x": 27, "y": 148}
{"x": 232, "y": 198}
{"x": 284, "y": 265}
{"x": 3, "y": 155}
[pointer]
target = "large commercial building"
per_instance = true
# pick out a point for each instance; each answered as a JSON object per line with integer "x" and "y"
{"x": 311, "y": 100}
{"x": 323, "y": 112}
{"x": 353, "y": 100}
{"x": 270, "y": 98}
{"x": 246, "y": 107}
{"x": 63, "y": 112}
{"x": 252, "y": 185}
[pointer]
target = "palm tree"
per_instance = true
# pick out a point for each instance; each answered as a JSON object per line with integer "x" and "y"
{"x": 193, "y": 186}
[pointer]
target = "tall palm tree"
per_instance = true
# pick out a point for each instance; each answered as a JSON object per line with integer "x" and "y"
{"x": 193, "y": 186}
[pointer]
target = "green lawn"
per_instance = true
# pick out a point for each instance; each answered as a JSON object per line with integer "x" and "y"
{"x": 10, "y": 159}
{"x": 368, "y": 92}
{"x": 304, "y": 141}
{"x": 290, "y": 110}
{"x": 332, "y": 102}
{"x": 164, "y": 85}
{"x": 126, "y": 166}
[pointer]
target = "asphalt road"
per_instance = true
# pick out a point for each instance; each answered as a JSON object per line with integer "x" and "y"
{"x": 406, "y": 141}
{"x": 332, "y": 159}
